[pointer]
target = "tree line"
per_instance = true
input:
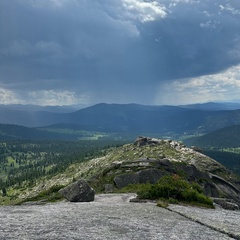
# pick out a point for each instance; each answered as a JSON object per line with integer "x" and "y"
{"x": 24, "y": 161}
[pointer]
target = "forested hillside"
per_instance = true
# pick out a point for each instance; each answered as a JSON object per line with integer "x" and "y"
{"x": 222, "y": 145}
{"x": 11, "y": 132}
{"x": 23, "y": 162}
{"x": 228, "y": 137}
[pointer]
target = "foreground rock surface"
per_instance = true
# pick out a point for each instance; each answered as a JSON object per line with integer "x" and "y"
{"x": 78, "y": 191}
{"x": 112, "y": 216}
{"x": 222, "y": 220}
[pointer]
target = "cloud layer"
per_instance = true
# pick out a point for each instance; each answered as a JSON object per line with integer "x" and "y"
{"x": 79, "y": 51}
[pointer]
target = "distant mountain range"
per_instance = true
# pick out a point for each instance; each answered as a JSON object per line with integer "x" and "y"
{"x": 122, "y": 118}
{"x": 213, "y": 106}
{"x": 37, "y": 108}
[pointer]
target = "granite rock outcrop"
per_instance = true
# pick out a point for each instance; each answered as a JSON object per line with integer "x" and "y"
{"x": 148, "y": 159}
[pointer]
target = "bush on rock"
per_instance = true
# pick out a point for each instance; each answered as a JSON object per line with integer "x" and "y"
{"x": 174, "y": 187}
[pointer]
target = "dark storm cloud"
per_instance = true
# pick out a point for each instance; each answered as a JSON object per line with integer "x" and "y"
{"x": 193, "y": 40}
{"x": 71, "y": 42}
{"x": 115, "y": 48}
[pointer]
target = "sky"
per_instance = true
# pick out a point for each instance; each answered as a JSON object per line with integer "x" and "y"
{"x": 64, "y": 52}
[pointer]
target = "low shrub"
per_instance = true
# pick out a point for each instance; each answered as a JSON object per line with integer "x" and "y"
{"x": 162, "y": 204}
{"x": 174, "y": 187}
{"x": 173, "y": 201}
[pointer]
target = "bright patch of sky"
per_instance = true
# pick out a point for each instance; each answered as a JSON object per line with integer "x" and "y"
{"x": 144, "y": 11}
{"x": 224, "y": 86}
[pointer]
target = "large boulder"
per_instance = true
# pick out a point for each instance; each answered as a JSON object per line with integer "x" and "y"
{"x": 78, "y": 191}
{"x": 142, "y": 141}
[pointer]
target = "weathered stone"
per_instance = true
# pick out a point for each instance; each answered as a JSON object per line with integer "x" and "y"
{"x": 126, "y": 179}
{"x": 210, "y": 190}
{"x": 30, "y": 203}
{"x": 226, "y": 203}
{"x": 108, "y": 188}
{"x": 197, "y": 149}
{"x": 144, "y": 176}
{"x": 221, "y": 180}
{"x": 78, "y": 191}
{"x": 192, "y": 172}
{"x": 149, "y": 175}
{"x": 142, "y": 141}
{"x": 137, "y": 200}
{"x": 161, "y": 156}
{"x": 164, "y": 162}
{"x": 230, "y": 206}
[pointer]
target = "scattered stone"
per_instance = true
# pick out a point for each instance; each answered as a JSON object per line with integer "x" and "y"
{"x": 226, "y": 203}
{"x": 40, "y": 202}
{"x": 197, "y": 149}
{"x": 108, "y": 188}
{"x": 137, "y": 200}
{"x": 142, "y": 141}
{"x": 78, "y": 191}
{"x": 230, "y": 206}
{"x": 161, "y": 156}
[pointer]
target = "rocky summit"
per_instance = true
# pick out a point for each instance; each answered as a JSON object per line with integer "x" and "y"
{"x": 148, "y": 159}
